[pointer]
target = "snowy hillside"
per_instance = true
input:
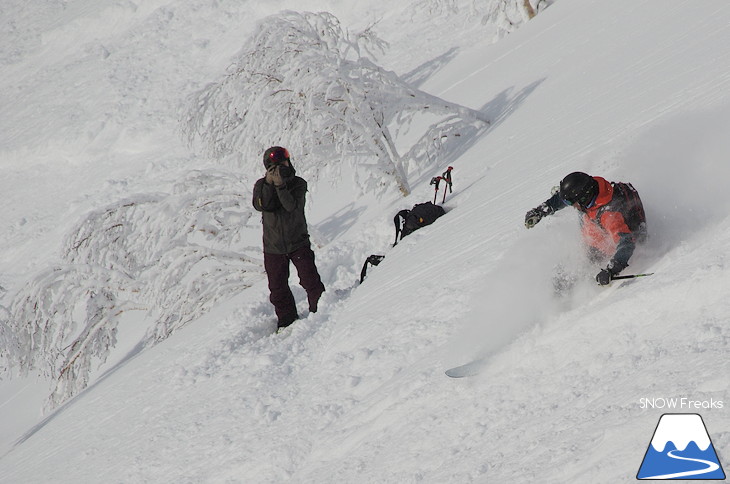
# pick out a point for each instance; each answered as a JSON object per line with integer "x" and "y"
{"x": 102, "y": 192}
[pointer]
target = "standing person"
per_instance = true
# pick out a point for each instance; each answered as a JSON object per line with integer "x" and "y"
{"x": 280, "y": 197}
{"x": 613, "y": 220}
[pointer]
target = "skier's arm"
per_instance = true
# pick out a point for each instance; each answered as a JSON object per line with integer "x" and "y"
{"x": 624, "y": 251}
{"x": 615, "y": 224}
{"x": 555, "y": 203}
{"x": 548, "y": 207}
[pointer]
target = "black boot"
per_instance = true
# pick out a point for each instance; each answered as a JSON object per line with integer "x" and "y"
{"x": 287, "y": 320}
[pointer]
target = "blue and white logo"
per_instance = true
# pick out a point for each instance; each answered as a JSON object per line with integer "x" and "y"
{"x": 681, "y": 449}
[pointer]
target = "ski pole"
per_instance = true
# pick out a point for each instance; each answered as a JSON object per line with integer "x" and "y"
{"x": 446, "y": 176}
{"x": 631, "y": 276}
{"x": 435, "y": 181}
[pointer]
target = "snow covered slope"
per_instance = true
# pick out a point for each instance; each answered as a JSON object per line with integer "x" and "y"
{"x": 356, "y": 392}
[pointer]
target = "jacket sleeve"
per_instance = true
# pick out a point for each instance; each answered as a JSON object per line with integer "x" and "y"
{"x": 553, "y": 204}
{"x": 616, "y": 226}
{"x": 292, "y": 195}
{"x": 264, "y": 197}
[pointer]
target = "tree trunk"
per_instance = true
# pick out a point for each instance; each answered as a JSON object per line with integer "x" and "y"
{"x": 528, "y": 9}
{"x": 397, "y": 163}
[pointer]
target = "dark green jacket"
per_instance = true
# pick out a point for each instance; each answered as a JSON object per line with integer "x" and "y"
{"x": 282, "y": 209}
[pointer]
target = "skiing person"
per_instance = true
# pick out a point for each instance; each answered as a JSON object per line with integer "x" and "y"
{"x": 613, "y": 219}
{"x": 280, "y": 197}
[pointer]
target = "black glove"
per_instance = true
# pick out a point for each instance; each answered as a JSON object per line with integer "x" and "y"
{"x": 534, "y": 216}
{"x": 286, "y": 172}
{"x": 604, "y": 277}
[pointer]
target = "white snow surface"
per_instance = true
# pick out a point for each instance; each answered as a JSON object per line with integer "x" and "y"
{"x": 632, "y": 90}
{"x": 680, "y": 429}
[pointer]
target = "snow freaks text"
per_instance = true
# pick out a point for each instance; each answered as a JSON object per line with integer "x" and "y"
{"x": 680, "y": 403}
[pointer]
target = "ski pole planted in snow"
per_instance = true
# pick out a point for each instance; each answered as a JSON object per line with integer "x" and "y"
{"x": 446, "y": 176}
{"x": 435, "y": 181}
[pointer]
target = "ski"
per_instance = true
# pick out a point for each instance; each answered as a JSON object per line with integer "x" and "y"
{"x": 470, "y": 369}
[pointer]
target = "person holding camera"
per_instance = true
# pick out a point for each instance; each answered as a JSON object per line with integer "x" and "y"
{"x": 280, "y": 197}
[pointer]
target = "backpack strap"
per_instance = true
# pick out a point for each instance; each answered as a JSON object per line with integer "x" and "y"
{"x": 373, "y": 260}
{"x": 396, "y": 220}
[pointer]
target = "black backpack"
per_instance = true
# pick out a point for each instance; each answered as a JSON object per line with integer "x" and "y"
{"x": 420, "y": 215}
{"x": 407, "y": 221}
{"x": 627, "y": 202}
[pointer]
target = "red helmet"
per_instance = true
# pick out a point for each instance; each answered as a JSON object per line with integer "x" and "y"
{"x": 275, "y": 155}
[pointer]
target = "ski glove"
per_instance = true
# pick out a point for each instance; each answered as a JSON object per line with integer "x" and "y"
{"x": 606, "y": 275}
{"x": 535, "y": 215}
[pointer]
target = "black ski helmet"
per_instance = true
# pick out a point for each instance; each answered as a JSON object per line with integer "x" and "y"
{"x": 579, "y": 188}
{"x": 275, "y": 155}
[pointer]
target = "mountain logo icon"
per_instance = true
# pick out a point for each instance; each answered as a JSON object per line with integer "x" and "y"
{"x": 681, "y": 449}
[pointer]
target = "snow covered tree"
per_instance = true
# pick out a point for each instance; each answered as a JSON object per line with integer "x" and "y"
{"x": 62, "y": 321}
{"x": 171, "y": 256}
{"x": 508, "y": 15}
{"x": 305, "y": 83}
{"x": 186, "y": 250}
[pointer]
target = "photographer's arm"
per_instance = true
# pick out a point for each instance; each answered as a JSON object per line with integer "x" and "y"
{"x": 264, "y": 197}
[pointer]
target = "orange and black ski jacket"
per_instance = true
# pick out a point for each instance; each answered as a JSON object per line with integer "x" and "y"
{"x": 613, "y": 224}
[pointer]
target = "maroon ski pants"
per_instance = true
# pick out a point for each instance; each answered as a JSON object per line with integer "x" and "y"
{"x": 277, "y": 270}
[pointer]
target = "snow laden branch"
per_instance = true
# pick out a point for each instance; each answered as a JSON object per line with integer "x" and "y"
{"x": 304, "y": 83}
{"x": 168, "y": 257}
{"x": 45, "y": 324}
